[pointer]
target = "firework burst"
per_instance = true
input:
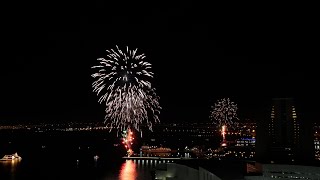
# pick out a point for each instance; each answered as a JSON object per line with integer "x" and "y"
{"x": 127, "y": 141}
{"x": 224, "y": 113}
{"x": 122, "y": 81}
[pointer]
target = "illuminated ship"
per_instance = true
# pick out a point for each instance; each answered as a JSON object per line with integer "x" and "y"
{"x": 11, "y": 157}
{"x": 155, "y": 151}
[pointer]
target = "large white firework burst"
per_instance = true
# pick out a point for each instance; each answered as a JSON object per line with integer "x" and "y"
{"x": 122, "y": 81}
{"x": 224, "y": 113}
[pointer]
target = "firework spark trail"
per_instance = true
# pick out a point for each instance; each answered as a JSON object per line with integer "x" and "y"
{"x": 127, "y": 140}
{"x": 224, "y": 112}
{"x": 122, "y": 82}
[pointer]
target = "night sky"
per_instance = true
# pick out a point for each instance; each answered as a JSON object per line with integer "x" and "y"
{"x": 199, "y": 52}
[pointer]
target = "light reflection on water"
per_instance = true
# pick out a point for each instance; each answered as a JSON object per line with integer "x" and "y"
{"x": 10, "y": 165}
{"x": 128, "y": 171}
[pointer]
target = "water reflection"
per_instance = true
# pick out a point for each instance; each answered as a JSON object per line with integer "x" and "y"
{"x": 128, "y": 171}
{"x": 12, "y": 165}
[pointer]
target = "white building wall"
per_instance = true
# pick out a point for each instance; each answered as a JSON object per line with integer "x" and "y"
{"x": 182, "y": 172}
{"x": 207, "y": 175}
{"x": 177, "y": 172}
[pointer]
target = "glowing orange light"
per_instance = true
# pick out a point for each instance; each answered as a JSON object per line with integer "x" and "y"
{"x": 127, "y": 141}
{"x": 223, "y": 132}
{"x": 128, "y": 171}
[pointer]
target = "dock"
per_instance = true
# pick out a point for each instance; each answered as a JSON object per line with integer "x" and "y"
{"x": 153, "y": 160}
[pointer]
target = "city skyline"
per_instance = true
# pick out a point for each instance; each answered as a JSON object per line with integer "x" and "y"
{"x": 198, "y": 56}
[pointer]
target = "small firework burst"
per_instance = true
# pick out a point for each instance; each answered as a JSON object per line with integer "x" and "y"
{"x": 224, "y": 113}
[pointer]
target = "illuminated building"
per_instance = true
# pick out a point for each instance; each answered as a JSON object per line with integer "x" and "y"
{"x": 317, "y": 149}
{"x": 243, "y": 148}
{"x": 284, "y": 137}
{"x": 317, "y": 144}
{"x": 316, "y": 141}
{"x": 179, "y": 135}
{"x": 248, "y": 142}
{"x": 245, "y": 129}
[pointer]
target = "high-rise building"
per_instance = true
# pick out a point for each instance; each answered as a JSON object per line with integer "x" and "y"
{"x": 284, "y": 137}
{"x": 283, "y": 129}
{"x": 316, "y": 128}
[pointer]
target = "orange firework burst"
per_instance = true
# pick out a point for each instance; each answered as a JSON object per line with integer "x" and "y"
{"x": 127, "y": 141}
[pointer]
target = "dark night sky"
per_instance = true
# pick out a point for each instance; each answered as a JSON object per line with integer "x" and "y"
{"x": 199, "y": 52}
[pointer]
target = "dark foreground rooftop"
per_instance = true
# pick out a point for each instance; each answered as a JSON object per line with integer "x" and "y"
{"x": 224, "y": 169}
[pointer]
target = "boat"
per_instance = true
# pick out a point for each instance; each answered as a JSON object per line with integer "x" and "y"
{"x": 11, "y": 157}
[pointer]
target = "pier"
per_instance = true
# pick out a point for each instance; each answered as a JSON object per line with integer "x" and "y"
{"x": 151, "y": 160}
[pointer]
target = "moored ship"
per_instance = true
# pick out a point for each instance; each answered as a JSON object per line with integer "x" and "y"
{"x": 11, "y": 157}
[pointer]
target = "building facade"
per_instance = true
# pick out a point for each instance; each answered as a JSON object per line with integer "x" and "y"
{"x": 284, "y": 136}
